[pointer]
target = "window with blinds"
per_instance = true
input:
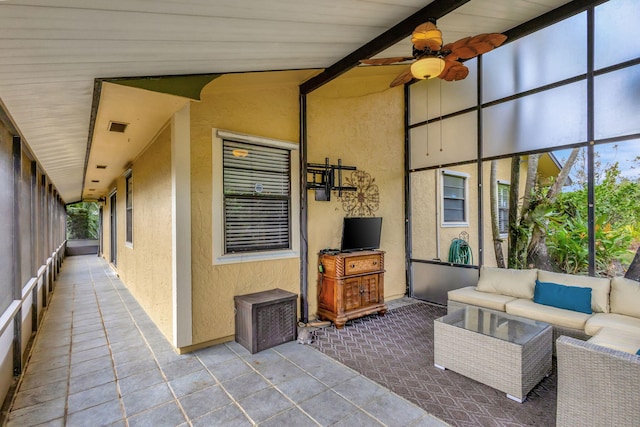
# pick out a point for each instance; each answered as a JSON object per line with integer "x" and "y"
{"x": 454, "y": 198}
{"x": 256, "y": 197}
{"x": 503, "y": 207}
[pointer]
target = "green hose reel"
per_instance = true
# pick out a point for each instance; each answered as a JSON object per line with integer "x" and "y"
{"x": 460, "y": 252}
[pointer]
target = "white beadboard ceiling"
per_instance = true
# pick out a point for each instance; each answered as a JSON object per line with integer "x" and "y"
{"x": 51, "y": 52}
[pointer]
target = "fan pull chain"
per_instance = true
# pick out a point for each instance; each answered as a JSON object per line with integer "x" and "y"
{"x": 427, "y": 115}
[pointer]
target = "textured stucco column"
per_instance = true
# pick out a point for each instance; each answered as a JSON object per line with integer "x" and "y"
{"x": 181, "y": 227}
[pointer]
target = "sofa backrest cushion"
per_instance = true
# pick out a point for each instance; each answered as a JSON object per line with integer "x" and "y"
{"x": 625, "y": 296}
{"x": 568, "y": 297}
{"x": 600, "y": 287}
{"x": 507, "y": 281}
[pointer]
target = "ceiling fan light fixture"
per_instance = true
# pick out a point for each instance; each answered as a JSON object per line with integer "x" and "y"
{"x": 427, "y": 68}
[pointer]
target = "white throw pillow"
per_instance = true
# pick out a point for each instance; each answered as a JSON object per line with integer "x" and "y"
{"x": 508, "y": 281}
{"x": 625, "y": 296}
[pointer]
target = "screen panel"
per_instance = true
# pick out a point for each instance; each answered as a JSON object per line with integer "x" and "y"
{"x": 616, "y": 103}
{"x": 448, "y": 141}
{"x": 616, "y": 26}
{"x": 533, "y": 61}
{"x": 552, "y": 118}
{"x": 435, "y": 98}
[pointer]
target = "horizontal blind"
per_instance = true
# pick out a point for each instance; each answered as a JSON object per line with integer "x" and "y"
{"x": 503, "y": 208}
{"x": 256, "y": 197}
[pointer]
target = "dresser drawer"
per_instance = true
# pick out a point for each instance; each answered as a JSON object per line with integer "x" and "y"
{"x": 362, "y": 264}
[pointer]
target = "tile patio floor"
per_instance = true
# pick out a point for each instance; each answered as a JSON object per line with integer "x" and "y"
{"x": 99, "y": 360}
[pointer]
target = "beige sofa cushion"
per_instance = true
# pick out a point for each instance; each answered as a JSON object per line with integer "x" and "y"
{"x": 507, "y": 281}
{"x": 617, "y": 340}
{"x": 612, "y": 320}
{"x": 625, "y": 296}
{"x": 548, "y": 314}
{"x": 600, "y": 287}
{"x": 470, "y": 295}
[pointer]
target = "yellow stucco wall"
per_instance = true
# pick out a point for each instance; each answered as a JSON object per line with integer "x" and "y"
{"x": 260, "y": 104}
{"x": 145, "y": 266}
{"x": 359, "y": 120}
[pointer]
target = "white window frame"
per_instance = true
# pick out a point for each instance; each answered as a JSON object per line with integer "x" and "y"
{"x": 219, "y": 256}
{"x": 466, "y": 177}
{"x": 500, "y": 182}
{"x": 128, "y": 175}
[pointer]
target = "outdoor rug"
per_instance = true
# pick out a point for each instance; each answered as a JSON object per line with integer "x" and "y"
{"x": 396, "y": 351}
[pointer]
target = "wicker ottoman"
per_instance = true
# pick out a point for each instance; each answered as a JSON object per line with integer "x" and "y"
{"x": 509, "y": 353}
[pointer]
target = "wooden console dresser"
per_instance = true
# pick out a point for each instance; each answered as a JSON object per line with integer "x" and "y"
{"x": 350, "y": 285}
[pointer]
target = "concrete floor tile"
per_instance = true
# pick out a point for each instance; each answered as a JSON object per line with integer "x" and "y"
{"x": 358, "y": 418}
{"x": 264, "y": 404}
{"x": 165, "y": 415}
{"x": 92, "y": 365}
{"x": 280, "y": 371}
{"x": 92, "y": 397}
{"x": 136, "y": 367}
{"x": 181, "y": 368}
{"x": 228, "y": 416}
{"x": 301, "y": 388}
{"x": 360, "y": 390}
{"x": 332, "y": 374}
{"x": 37, "y": 414}
{"x": 90, "y": 380}
{"x": 262, "y": 358}
{"x": 101, "y": 415}
{"x": 40, "y": 394}
{"x": 328, "y": 407}
{"x": 230, "y": 369}
{"x": 89, "y": 344}
{"x": 139, "y": 381}
{"x": 192, "y": 382}
{"x": 390, "y": 408}
{"x": 245, "y": 385}
{"x": 204, "y": 401}
{"x": 53, "y": 362}
{"x": 92, "y": 353}
{"x": 215, "y": 354}
{"x": 45, "y": 377}
{"x": 291, "y": 417}
{"x": 86, "y": 336}
{"x": 147, "y": 398}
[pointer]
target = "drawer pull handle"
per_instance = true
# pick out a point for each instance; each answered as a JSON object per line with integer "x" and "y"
{"x": 375, "y": 262}
{"x": 353, "y": 266}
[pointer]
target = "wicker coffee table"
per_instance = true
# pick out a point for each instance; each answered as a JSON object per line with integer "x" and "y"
{"x": 509, "y": 353}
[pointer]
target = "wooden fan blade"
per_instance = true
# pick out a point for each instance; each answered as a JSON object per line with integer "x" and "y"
{"x": 470, "y": 47}
{"x": 385, "y": 61}
{"x": 402, "y": 78}
{"x": 427, "y": 35}
{"x": 453, "y": 70}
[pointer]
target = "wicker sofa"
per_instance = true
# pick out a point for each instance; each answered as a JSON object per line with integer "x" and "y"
{"x": 614, "y": 320}
{"x": 597, "y": 386}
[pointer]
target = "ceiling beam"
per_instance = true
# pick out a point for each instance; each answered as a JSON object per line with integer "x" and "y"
{"x": 436, "y": 9}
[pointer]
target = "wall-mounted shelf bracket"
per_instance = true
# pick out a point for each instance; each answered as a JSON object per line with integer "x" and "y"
{"x": 324, "y": 178}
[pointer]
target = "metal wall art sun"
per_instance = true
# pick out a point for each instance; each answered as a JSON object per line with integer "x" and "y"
{"x": 365, "y": 201}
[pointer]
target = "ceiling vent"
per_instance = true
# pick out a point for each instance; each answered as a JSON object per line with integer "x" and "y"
{"x": 118, "y": 127}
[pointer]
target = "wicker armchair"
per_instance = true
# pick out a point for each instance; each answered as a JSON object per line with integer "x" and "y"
{"x": 597, "y": 386}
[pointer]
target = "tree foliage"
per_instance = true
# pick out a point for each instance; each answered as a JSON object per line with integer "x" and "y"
{"x": 82, "y": 220}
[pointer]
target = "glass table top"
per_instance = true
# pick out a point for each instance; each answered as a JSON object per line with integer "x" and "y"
{"x": 495, "y": 324}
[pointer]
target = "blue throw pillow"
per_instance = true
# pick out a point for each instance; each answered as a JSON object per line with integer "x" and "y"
{"x": 569, "y": 297}
{"x": 638, "y": 352}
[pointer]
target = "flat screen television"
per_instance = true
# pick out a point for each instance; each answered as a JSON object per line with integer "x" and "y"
{"x": 361, "y": 233}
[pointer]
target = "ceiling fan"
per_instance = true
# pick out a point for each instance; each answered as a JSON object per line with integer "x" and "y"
{"x": 435, "y": 60}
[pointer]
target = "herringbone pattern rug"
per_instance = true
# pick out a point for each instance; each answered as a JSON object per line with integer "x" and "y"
{"x": 396, "y": 350}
